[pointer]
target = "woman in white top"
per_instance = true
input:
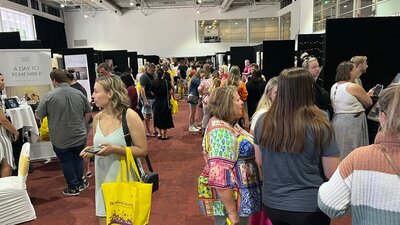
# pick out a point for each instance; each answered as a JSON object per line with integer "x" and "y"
{"x": 349, "y": 102}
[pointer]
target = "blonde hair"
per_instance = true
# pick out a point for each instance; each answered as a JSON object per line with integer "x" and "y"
{"x": 221, "y": 103}
{"x": 359, "y": 59}
{"x": 307, "y": 61}
{"x": 224, "y": 69}
{"x": 265, "y": 101}
{"x": 216, "y": 82}
{"x": 234, "y": 77}
{"x": 119, "y": 94}
{"x": 389, "y": 102}
{"x": 141, "y": 69}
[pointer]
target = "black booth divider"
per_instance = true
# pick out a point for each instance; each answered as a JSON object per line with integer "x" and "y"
{"x": 119, "y": 59}
{"x": 10, "y": 40}
{"x": 277, "y": 55}
{"x": 240, "y": 54}
{"x": 313, "y": 44}
{"x": 133, "y": 62}
{"x": 375, "y": 37}
{"x": 152, "y": 59}
{"x": 51, "y": 33}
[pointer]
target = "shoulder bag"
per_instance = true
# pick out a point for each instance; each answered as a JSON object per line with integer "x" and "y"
{"x": 150, "y": 177}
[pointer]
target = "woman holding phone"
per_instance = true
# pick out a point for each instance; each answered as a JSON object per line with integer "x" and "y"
{"x": 111, "y": 96}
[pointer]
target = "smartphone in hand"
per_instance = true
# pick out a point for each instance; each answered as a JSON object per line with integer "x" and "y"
{"x": 377, "y": 90}
{"x": 94, "y": 149}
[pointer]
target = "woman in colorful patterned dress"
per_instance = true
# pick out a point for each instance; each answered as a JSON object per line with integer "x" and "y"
{"x": 229, "y": 186}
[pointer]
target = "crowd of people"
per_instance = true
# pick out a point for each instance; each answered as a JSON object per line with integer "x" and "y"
{"x": 284, "y": 146}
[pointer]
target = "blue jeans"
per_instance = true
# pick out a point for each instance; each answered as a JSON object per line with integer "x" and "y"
{"x": 71, "y": 164}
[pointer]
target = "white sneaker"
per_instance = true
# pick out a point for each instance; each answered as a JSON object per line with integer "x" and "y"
{"x": 193, "y": 129}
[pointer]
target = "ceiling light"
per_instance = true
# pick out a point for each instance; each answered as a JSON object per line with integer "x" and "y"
{"x": 62, "y": 5}
{"x": 131, "y": 4}
{"x": 345, "y": 6}
{"x": 86, "y": 16}
{"x": 198, "y": 12}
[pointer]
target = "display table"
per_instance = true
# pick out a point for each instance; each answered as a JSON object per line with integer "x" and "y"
{"x": 23, "y": 117}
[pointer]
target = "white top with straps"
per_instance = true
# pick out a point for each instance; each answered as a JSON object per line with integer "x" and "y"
{"x": 343, "y": 101}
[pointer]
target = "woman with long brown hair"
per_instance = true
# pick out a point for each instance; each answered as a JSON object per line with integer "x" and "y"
{"x": 295, "y": 140}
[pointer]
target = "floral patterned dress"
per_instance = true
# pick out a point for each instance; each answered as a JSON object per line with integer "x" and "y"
{"x": 229, "y": 155}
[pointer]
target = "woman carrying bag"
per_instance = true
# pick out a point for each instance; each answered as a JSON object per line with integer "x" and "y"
{"x": 111, "y": 96}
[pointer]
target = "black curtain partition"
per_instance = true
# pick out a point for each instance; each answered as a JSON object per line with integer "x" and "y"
{"x": 313, "y": 44}
{"x": 10, "y": 40}
{"x": 240, "y": 54}
{"x": 51, "y": 33}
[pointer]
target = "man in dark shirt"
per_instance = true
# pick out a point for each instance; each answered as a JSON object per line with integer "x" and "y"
{"x": 147, "y": 96}
{"x": 321, "y": 96}
{"x": 73, "y": 83}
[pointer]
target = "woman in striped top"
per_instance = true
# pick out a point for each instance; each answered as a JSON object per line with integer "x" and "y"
{"x": 367, "y": 181}
{"x": 6, "y": 151}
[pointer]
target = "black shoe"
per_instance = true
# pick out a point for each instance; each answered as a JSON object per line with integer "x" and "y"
{"x": 83, "y": 186}
{"x": 71, "y": 191}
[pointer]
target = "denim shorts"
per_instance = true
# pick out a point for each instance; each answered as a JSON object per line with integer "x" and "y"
{"x": 148, "y": 109}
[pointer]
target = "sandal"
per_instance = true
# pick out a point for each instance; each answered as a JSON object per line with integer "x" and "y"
{"x": 150, "y": 135}
{"x": 164, "y": 138}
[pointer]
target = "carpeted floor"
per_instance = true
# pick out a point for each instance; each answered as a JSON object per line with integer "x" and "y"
{"x": 178, "y": 162}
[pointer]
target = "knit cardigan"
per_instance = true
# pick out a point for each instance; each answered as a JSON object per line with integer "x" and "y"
{"x": 366, "y": 183}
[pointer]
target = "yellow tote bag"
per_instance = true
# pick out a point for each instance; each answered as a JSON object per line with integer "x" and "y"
{"x": 127, "y": 201}
{"x": 174, "y": 105}
{"x": 44, "y": 130}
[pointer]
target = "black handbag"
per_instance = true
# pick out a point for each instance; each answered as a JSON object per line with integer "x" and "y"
{"x": 193, "y": 99}
{"x": 150, "y": 177}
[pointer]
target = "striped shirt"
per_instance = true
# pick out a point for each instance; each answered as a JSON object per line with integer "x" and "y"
{"x": 366, "y": 183}
{"x": 6, "y": 150}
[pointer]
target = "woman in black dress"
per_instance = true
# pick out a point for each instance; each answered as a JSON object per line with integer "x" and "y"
{"x": 162, "y": 90}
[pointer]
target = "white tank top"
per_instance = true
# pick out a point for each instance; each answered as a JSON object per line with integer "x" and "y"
{"x": 343, "y": 101}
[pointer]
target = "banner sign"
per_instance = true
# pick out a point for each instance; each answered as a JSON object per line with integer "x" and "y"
{"x": 26, "y": 72}
{"x": 79, "y": 64}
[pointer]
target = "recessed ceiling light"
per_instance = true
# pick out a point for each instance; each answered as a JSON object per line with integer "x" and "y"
{"x": 131, "y": 3}
{"x": 62, "y": 5}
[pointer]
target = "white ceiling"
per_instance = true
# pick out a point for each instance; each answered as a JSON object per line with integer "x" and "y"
{"x": 124, "y": 5}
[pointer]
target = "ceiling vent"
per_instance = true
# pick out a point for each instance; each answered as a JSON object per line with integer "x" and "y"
{"x": 78, "y": 43}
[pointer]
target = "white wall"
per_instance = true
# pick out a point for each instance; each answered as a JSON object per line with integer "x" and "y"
{"x": 388, "y": 8}
{"x": 165, "y": 32}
